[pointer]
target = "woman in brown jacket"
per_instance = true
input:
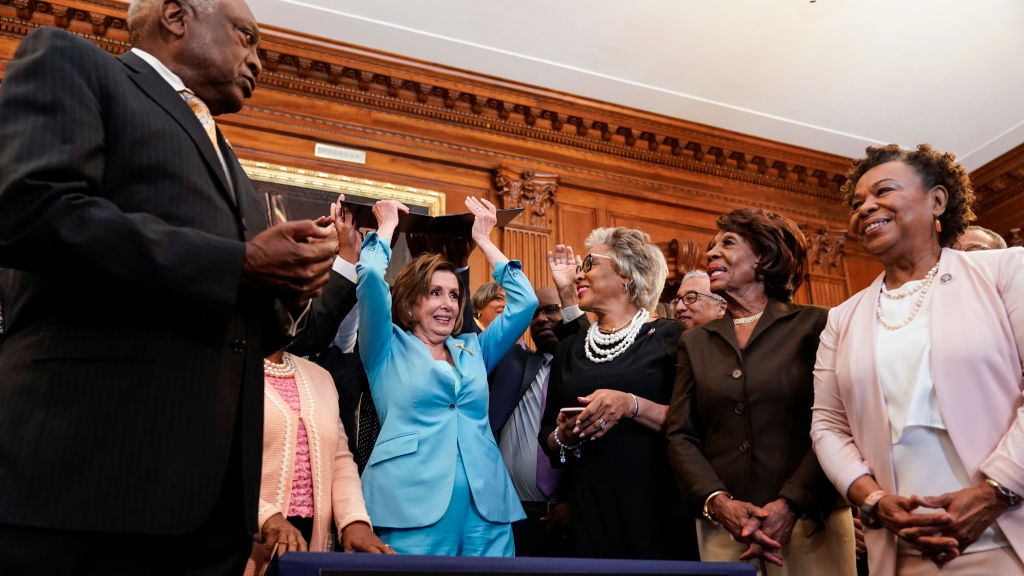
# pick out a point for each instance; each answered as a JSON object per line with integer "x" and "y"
{"x": 739, "y": 420}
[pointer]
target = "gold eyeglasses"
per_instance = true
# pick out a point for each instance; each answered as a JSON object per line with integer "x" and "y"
{"x": 588, "y": 262}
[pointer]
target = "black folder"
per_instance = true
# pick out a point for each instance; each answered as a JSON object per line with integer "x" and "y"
{"x": 447, "y": 224}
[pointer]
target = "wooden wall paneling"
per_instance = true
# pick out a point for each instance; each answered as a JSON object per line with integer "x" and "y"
{"x": 861, "y": 271}
{"x": 437, "y": 128}
{"x": 822, "y": 290}
{"x": 999, "y": 186}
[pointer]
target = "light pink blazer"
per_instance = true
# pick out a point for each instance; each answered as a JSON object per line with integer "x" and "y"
{"x": 337, "y": 491}
{"x": 977, "y": 338}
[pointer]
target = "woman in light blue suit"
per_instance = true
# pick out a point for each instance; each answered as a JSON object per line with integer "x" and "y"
{"x": 435, "y": 482}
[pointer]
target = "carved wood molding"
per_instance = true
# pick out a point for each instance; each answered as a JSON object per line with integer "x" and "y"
{"x": 532, "y": 191}
{"x": 825, "y": 252}
{"x": 102, "y": 21}
{"x": 375, "y": 81}
{"x": 999, "y": 180}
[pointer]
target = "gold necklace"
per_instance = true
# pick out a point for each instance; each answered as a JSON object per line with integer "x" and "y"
{"x": 628, "y": 322}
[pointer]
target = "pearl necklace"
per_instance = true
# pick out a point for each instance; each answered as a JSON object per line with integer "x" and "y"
{"x": 747, "y": 319}
{"x": 922, "y": 290}
{"x": 285, "y": 370}
{"x": 601, "y": 347}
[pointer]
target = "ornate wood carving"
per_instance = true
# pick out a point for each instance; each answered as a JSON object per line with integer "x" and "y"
{"x": 431, "y": 127}
{"x": 533, "y": 192}
{"x": 825, "y": 251}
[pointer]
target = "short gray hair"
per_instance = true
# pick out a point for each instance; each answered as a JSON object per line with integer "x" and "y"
{"x": 995, "y": 237}
{"x": 144, "y": 14}
{"x": 637, "y": 259}
{"x": 701, "y": 274}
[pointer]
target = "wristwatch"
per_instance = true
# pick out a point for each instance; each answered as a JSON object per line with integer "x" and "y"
{"x": 868, "y": 517}
{"x": 1005, "y": 494}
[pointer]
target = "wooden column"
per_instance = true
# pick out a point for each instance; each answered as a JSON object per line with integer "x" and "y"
{"x": 528, "y": 236}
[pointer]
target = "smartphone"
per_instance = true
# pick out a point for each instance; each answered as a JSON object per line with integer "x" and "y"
{"x": 570, "y": 410}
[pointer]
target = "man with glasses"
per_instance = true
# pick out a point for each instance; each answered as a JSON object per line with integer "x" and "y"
{"x": 694, "y": 304}
{"x": 979, "y": 238}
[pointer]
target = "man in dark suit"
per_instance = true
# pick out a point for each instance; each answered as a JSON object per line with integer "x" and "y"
{"x": 146, "y": 289}
{"x": 518, "y": 392}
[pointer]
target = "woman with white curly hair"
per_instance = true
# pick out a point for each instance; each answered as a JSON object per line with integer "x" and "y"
{"x": 618, "y": 374}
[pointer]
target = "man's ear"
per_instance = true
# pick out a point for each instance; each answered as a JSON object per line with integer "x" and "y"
{"x": 172, "y": 17}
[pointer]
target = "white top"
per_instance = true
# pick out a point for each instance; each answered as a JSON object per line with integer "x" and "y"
{"x": 924, "y": 459}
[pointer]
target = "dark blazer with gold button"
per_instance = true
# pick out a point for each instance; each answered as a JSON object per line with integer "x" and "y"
{"x": 740, "y": 420}
{"x": 132, "y": 357}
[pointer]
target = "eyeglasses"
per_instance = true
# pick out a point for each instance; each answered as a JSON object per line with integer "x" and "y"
{"x": 690, "y": 297}
{"x": 972, "y": 247}
{"x": 588, "y": 262}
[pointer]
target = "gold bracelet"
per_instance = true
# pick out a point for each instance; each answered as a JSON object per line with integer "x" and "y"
{"x": 707, "y": 503}
{"x": 636, "y": 406}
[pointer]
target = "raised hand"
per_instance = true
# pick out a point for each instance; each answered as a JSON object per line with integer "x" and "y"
{"x": 563, "y": 264}
{"x": 387, "y": 212}
{"x": 349, "y": 237}
{"x": 485, "y": 216}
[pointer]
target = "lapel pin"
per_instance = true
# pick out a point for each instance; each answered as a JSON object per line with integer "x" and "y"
{"x": 457, "y": 345}
{"x": 946, "y": 278}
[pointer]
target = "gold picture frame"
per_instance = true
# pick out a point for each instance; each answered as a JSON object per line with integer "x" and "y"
{"x": 299, "y": 193}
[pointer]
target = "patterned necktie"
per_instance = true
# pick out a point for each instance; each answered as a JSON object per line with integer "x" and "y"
{"x": 547, "y": 477}
{"x": 203, "y": 114}
{"x": 367, "y": 430}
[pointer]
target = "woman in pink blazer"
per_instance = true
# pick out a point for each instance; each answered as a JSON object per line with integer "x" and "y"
{"x": 310, "y": 489}
{"x": 918, "y": 380}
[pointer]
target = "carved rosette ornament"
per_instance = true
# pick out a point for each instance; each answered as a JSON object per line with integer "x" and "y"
{"x": 532, "y": 191}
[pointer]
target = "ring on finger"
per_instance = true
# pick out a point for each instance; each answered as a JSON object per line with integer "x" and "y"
{"x": 601, "y": 423}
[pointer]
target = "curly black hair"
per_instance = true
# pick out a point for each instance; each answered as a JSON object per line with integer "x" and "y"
{"x": 935, "y": 169}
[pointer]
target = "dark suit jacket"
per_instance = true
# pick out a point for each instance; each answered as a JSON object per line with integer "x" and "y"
{"x": 740, "y": 420}
{"x": 133, "y": 355}
{"x": 509, "y": 381}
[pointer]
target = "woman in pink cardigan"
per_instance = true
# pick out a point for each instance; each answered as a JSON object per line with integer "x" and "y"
{"x": 309, "y": 477}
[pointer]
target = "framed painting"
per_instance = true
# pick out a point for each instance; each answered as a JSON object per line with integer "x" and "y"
{"x": 296, "y": 194}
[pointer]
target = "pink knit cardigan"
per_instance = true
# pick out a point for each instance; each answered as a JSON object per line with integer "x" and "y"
{"x": 337, "y": 492}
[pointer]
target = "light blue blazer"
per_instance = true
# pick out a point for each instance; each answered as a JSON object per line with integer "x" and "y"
{"x": 426, "y": 419}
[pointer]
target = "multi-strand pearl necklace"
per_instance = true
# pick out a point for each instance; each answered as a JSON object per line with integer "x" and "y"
{"x": 285, "y": 370}
{"x": 922, "y": 292}
{"x": 601, "y": 347}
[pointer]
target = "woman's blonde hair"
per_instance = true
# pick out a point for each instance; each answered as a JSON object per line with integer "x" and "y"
{"x": 636, "y": 259}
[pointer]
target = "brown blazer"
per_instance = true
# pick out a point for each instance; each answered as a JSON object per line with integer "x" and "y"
{"x": 740, "y": 419}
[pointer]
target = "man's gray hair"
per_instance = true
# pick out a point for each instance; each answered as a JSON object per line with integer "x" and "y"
{"x": 144, "y": 14}
{"x": 994, "y": 236}
{"x": 701, "y": 274}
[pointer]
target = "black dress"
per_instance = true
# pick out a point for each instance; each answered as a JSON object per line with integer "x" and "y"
{"x": 624, "y": 498}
